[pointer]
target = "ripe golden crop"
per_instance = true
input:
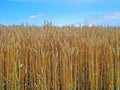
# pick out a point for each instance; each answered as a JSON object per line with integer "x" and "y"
{"x": 59, "y": 58}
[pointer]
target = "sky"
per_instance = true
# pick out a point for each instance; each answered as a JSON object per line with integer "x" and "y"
{"x": 60, "y": 12}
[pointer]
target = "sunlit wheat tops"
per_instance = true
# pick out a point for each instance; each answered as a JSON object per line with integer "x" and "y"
{"x": 59, "y": 58}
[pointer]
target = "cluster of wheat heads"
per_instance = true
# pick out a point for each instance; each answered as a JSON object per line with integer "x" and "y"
{"x": 59, "y": 58}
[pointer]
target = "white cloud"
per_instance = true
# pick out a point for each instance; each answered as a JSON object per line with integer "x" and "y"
{"x": 35, "y": 16}
{"x": 112, "y": 18}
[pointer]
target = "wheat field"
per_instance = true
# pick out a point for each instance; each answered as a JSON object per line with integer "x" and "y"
{"x": 59, "y": 58}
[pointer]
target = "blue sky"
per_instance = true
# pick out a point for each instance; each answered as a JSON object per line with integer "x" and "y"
{"x": 60, "y": 12}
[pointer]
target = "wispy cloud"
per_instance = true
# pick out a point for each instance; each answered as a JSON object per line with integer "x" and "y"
{"x": 112, "y": 18}
{"x": 35, "y": 16}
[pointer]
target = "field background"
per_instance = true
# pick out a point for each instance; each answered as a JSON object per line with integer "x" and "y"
{"x": 59, "y": 58}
